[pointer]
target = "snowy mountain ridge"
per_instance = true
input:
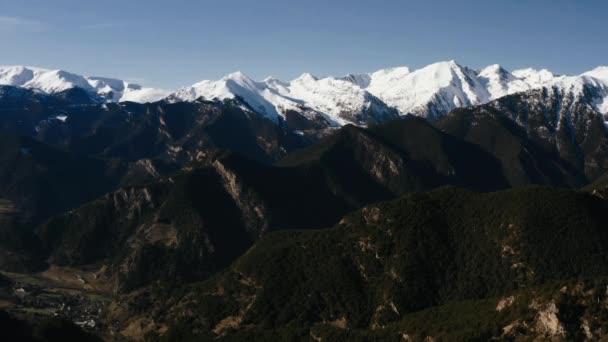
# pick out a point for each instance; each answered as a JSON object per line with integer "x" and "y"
{"x": 54, "y": 81}
{"x": 335, "y": 100}
{"x": 361, "y": 99}
{"x": 431, "y": 91}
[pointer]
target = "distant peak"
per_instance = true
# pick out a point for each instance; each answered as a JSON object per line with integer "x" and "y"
{"x": 494, "y": 67}
{"x": 402, "y": 70}
{"x": 600, "y": 73}
{"x": 601, "y": 68}
{"x": 306, "y": 77}
{"x": 13, "y": 67}
{"x": 542, "y": 74}
{"x": 273, "y": 81}
{"x": 21, "y": 67}
{"x": 532, "y": 70}
{"x": 58, "y": 80}
{"x": 237, "y": 75}
{"x": 450, "y": 63}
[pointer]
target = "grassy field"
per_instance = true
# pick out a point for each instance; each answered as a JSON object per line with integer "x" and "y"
{"x": 75, "y": 295}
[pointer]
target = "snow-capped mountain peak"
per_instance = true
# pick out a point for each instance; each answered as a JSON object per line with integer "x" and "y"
{"x": 392, "y": 72}
{"x": 239, "y": 77}
{"x": 499, "y": 82}
{"x": 15, "y": 75}
{"x": 496, "y": 72}
{"x": 272, "y": 79}
{"x": 336, "y": 101}
{"x": 430, "y": 91}
{"x": 58, "y": 80}
{"x": 536, "y": 78}
{"x": 305, "y": 78}
{"x": 54, "y": 81}
{"x": 600, "y": 73}
{"x": 492, "y": 69}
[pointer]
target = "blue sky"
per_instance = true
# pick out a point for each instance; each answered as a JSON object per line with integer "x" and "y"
{"x": 175, "y": 43}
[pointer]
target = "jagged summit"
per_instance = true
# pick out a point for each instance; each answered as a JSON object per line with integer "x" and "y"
{"x": 238, "y": 76}
{"x": 306, "y": 77}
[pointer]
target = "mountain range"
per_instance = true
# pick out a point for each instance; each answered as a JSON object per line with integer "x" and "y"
{"x": 443, "y": 203}
{"x": 361, "y": 99}
{"x": 55, "y": 81}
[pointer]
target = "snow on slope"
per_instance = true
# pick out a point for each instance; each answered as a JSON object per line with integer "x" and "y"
{"x": 590, "y": 87}
{"x": 343, "y": 101}
{"x": 586, "y": 88}
{"x": 257, "y": 95}
{"x": 431, "y": 91}
{"x": 499, "y": 82}
{"x": 338, "y": 101}
{"x": 54, "y": 81}
{"x": 142, "y": 95}
{"x": 536, "y": 78}
{"x": 600, "y": 73}
{"x": 436, "y": 89}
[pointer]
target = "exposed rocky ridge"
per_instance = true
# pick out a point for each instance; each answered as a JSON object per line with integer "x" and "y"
{"x": 560, "y": 123}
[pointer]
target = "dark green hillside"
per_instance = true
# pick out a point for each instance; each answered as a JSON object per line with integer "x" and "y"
{"x": 174, "y": 132}
{"x": 38, "y": 181}
{"x": 45, "y": 181}
{"x": 397, "y": 157}
{"x": 524, "y": 160}
{"x": 311, "y": 188}
{"x": 190, "y": 225}
{"x": 387, "y": 262}
{"x": 41, "y": 180}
